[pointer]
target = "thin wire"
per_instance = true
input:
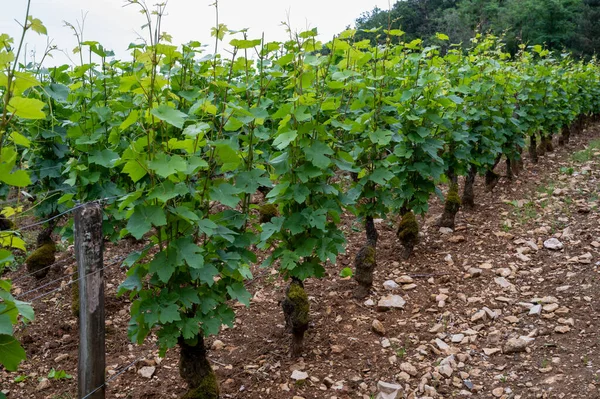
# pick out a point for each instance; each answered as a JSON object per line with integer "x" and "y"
{"x": 44, "y": 285}
{"x": 47, "y": 267}
{"x": 115, "y": 376}
{"x": 52, "y": 218}
{"x": 71, "y": 281}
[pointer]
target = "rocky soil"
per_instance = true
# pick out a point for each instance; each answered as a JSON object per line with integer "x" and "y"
{"x": 504, "y": 306}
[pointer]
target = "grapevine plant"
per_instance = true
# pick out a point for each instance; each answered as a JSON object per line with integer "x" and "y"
{"x": 206, "y": 158}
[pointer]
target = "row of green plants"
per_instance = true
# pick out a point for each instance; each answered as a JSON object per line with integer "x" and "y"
{"x": 182, "y": 142}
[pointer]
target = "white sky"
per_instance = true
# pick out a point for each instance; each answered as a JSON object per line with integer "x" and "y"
{"x": 115, "y": 26}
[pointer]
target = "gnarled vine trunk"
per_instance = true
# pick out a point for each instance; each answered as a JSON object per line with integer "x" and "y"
{"x": 196, "y": 371}
{"x": 532, "y": 149}
{"x": 451, "y": 204}
{"x": 408, "y": 233}
{"x": 468, "y": 198}
{"x": 295, "y": 310}
{"x": 548, "y": 143}
{"x": 366, "y": 260}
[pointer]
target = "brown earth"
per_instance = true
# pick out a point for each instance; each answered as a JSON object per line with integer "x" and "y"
{"x": 445, "y": 299}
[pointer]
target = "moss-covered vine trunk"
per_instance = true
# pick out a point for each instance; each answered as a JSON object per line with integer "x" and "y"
{"x": 468, "y": 198}
{"x": 40, "y": 260}
{"x": 491, "y": 177}
{"x": 533, "y": 154}
{"x": 196, "y": 371}
{"x": 452, "y": 203}
{"x": 408, "y": 233}
{"x": 548, "y": 143}
{"x": 366, "y": 260}
{"x": 295, "y": 310}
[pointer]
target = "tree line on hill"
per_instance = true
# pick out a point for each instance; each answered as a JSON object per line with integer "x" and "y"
{"x": 572, "y": 25}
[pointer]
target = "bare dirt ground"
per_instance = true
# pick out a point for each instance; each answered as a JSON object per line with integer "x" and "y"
{"x": 490, "y": 312}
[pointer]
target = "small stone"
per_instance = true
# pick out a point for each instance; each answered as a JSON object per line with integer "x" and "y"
{"x": 553, "y": 244}
{"x": 408, "y": 287}
{"x": 44, "y": 384}
{"x": 502, "y": 282}
{"x": 562, "y": 329}
{"x": 479, "y": 315}
{"x": 328, "y": 382}
{"x": 568, "y": 321}
{"x": 409, "y": 369}
{"x": 385, "y": 343}
{"x": 147, "y": 371}
{"x": 503, "y": 272}
{"x": 457, "y": 338}
{"x": 442, "y": 345}
{"x": 298, "y": 375}
{"x": 446, "y": 370}
{"x": 535, "y": 310}
{"x": 390, "y": 285}
{"x": 403, "y": 376}
{"x": 337, "y": 348}
{"x": 391, "y": 302}
{"x": 369, "y": 302}
{"x": 512, "y": 319}
{"x": 551, "y": 307}
{"x": 62, "y": 357}
{"x": 405, "y": 280}
{"x": 456, "y": 239}
{"x": 491, "y": 351}
{"x": 378, "y": 327}
{"x": 388, "y": 391}
{"x": 515, "y": 345}
{"x": 217, "y": 345}
{"x": 436, "y": 328}
{"x": 446, "y": 230}
{"x": 474, "y": 271}
{"x": 498, "y": 392}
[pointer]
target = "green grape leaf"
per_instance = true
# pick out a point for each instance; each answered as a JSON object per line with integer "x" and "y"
{"x": 169, "y": 313}
{"x": 317, "y": 154}
{"x": 249, "y": 181}
{"x": 381, "y": 137}
{"x": 134, "y": 170}
{"x": 189, "y": 327}
{"x": 190, "y": 252}
{"x": 226, "y": 194}
{"x": 6, "y": 326}
{"x": 166, "y": 165}
{"x": 26, "y": 108}
{"x": 284, "y": 139}
{"x": 106, "y": 158}
{"x": 37, "y": 26}
{"x": 11, "y": 352}
{"x": 229, "y": 157}
{"x": 19, "y": 178}
{"x": 143, "y": 218}
{"x": 239, "y": 292}
{"x": 170, "y": 115}
{"x": 130, "y": 120}
{"x": 163, "y": 265}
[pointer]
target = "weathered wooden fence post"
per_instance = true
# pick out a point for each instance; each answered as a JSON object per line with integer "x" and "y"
{"x": 89, "y": 254}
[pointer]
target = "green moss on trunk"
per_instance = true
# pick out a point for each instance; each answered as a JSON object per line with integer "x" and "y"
{"x": 40, "y": 259}
{"x": 451, "y": 207}
{"x": 195, "y": 369}
{"x": 295, "y": 309}
{"x": 408, "y": 233}
{"x": 267, "y": 212}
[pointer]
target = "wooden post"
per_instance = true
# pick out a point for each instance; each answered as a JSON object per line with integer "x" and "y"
{"x": 89, "y": 255}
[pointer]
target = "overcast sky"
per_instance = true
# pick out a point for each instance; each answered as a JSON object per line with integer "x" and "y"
{"x": 115, "y": 26}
